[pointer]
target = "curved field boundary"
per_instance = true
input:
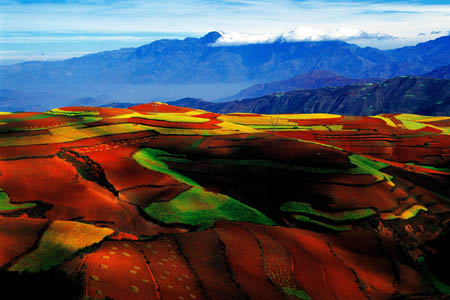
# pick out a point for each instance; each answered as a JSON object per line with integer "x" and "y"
{"x": 245, "y": 259}
{"x": 203, "y": 252}
{"x": 277, "y": 262}
{"x": 18, "y": 236}
{"x": 174, "y": 277}
{"x": 316, "y": 269}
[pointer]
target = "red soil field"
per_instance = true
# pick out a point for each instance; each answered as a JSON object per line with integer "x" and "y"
{"x": 327, "y": 276}
{"x": 125, "y": 173}
{"x": 119, "y": 270}
{"x": 244, "y": 256}
{"x": 144, "y": 196}
{"x": 159, "y": 107}
{"x": 173, "y": 275}
{"x": 202, "y": 251}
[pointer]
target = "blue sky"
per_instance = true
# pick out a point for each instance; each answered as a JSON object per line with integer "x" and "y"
{"x": 56, "y": 29}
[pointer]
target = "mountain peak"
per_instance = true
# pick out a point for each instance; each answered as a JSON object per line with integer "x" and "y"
{"x": 210, "y": 37}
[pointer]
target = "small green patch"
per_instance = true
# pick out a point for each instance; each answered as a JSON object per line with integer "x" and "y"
{"x": 197, "y": 143}
{"x": 369, "y": 167}
{"x": 85, "y": 120}
{"x": 446, "y": 170}
{"x": 153, "y": 159}
{"x": 5, "y": 205}
{"x": 297, "y": 293}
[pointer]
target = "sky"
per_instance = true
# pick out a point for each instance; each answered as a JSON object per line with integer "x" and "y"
{"x": 59, "y": 29}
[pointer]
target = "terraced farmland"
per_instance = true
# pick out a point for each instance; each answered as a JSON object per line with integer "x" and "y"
{"x": 162, "y": 202}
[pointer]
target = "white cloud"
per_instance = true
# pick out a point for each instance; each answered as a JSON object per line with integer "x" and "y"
{"x": 300, "y": 34}
{"x": 237, "y": 38}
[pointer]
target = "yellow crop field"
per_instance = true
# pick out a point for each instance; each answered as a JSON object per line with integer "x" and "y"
{"x": 59, "y": 242}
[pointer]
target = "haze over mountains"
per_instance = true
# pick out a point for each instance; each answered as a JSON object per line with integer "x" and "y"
{"x": 173, "y": 69}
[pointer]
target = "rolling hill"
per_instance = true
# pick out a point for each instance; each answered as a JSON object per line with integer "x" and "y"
{"x": 311, "y": 80}
{"x": 406, "y": 94}
{"x": 442, "y": 73}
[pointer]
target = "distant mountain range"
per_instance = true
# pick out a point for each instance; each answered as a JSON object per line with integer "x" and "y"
{"x": 198, "y": 61}
{"x": 310, "y": 80}
{"x": 407, "y": 94}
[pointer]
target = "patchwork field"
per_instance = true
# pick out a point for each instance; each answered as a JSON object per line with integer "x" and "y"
{"x": 163, "y": 202}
